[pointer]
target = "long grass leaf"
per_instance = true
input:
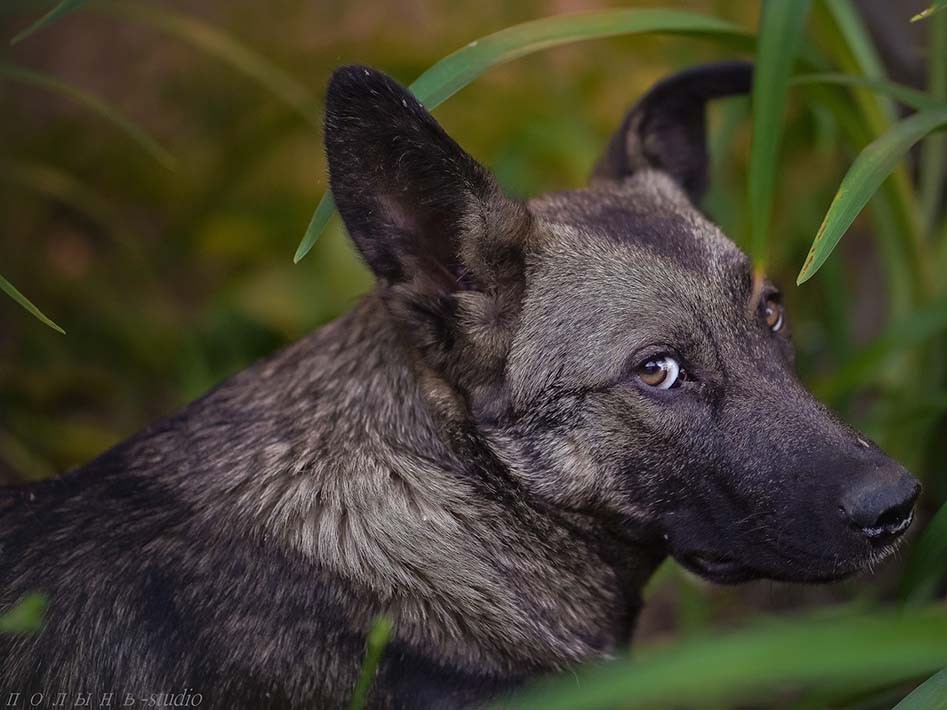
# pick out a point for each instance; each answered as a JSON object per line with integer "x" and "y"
{"x": 457, "y": 70}
{"x": 375, "y": 644}
{"x": 927, "y": 564}
{"x": 91, "y": 102}
{"x": 905, "y": 94}
{"x": 780, "y": 34}
{"x": 320, "y": 218}
{"x": 13, "y": 293}
{"x": 846, "y": 21}
{"x": 936, "y": 6}
{"x": 863, "y": 179}
{"x": 890, "y": 232}
{"x": 840, "y": 28}
{"x": 850, "y": 652}
{"x": 26, "y": 617}
{"x": 61, "y": 10}
{"x": 929, "y": 695}
{"x": 228, "y": 50}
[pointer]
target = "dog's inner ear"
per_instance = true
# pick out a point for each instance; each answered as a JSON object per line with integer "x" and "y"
{"x": 666, "y": 129}
{"x": 415, "y": 203}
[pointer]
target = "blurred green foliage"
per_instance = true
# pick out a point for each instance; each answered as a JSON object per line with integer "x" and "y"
{"x": 25, "y": 617}
{"x": 168, "y": 280}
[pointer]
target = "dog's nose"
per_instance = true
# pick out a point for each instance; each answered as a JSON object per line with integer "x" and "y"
{"x": 882, "y": 509}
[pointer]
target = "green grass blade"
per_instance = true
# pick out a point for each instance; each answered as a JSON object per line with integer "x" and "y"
{"x": 378, "y": 637}
{"x": 929, "y": 695}
{"x": 932, "y": 152}
{"x": 936, "y": 6}
{"x": 457, "y": 70}
{"x": 856, "y": 49}
{"x": 13, "y": 293}
{"x": 898, "y": 225}
{"x": 852, "y": 28}
{"x": 91, "y": 102}
{"x": 850, "y": 652}
{"x": 905, "y": 94}
{"x": 320, "y": 219}
{"x": 228, "y": 50}
{"x": 780, "y": 34}
{"x": 863, "y": 179}
{"x": 26, "y": 617}
{"x": 927, "y": 564}
{"x": 60, "y": 10}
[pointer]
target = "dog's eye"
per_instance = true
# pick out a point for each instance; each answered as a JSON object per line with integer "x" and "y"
{"x": 662, "y": 373}
{"x": 773, "y": 310}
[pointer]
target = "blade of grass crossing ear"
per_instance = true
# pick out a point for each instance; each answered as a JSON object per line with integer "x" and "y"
{"x": 863, "y": 179}
{"x": 61, "y": 10}
{"x": 91, "y": 102}
{"x": 13, "y": 293}
{"x": 320, "y": 218}
{"x": 457, "y": 70}
{"x": 780, "y": 33}
{"x": 375, "y": 643}
{"x": 929, "y": 695}
{"x": 932, "y": 152}
{"x": 927, "y": 564}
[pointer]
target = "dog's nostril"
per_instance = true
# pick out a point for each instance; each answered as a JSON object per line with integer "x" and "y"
{"x": 895, "y": 515}
{"x": 882, "y": 510}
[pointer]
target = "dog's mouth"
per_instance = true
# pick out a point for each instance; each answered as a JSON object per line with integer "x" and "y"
{"x": 724, "y": 569}
{"x": 715, "y": 567}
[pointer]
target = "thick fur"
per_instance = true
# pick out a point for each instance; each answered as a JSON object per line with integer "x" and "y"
{"x": 469, "y": 451}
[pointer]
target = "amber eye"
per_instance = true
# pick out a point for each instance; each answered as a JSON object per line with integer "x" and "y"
{"x": 662, "y": 373}
{"x": 774, "y": 314}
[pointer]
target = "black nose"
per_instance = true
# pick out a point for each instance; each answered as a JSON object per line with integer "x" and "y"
{"x": 882, "y": 509}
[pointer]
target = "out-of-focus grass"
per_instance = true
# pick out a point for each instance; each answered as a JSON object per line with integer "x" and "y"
{"x": 187, "y": 276}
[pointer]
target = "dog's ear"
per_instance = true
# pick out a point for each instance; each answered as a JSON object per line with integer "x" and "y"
{"x": 445, "y": 242}
{"x": 666, "y": 129}
{"x": 415, "y": 203}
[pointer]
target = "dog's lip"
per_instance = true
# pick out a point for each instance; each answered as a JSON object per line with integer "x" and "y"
{"x": 714, "y": 566}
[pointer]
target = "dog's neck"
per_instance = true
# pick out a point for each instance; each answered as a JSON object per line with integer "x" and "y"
{"x": 349, "y": 468}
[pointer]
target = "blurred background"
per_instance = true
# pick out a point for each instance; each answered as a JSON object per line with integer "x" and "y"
{"x": 168, "y": 278}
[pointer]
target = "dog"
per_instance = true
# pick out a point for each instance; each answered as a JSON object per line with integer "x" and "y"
{"x": 539, "y": 403}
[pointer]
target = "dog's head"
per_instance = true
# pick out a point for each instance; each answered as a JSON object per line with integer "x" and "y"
{"x": 611, "y": 343}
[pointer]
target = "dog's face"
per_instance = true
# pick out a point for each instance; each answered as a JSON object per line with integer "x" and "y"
{"x": 610, "y": 344}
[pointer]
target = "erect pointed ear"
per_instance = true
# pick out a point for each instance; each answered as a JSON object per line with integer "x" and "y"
{"x": 415, "y": 203}
{"x": 666, "y": 129}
